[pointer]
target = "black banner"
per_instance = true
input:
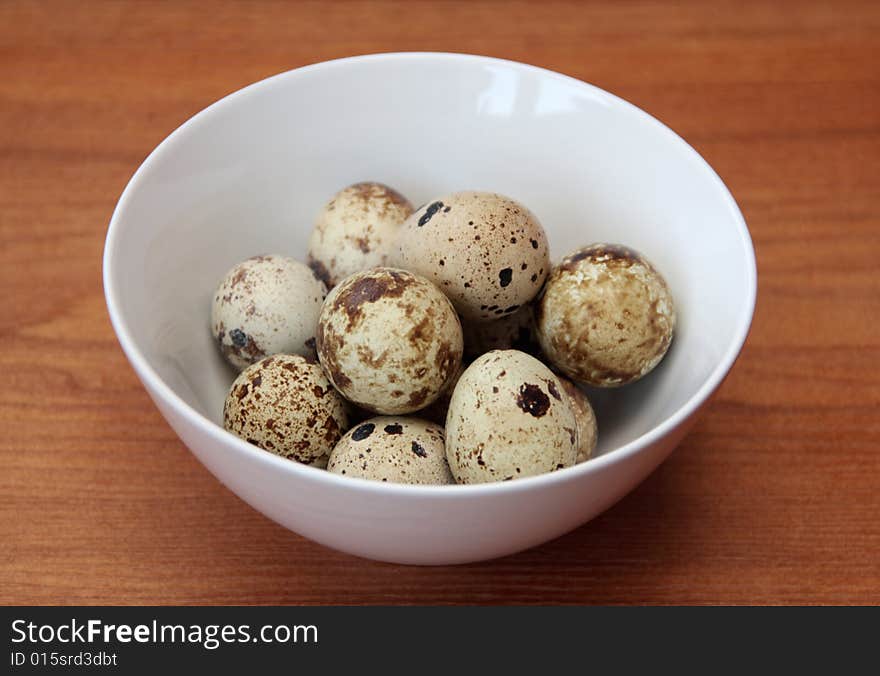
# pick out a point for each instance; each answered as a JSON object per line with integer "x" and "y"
{"x": 145, "y": 640}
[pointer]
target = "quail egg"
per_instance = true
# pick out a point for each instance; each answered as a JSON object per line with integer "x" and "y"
{"x": 389, "y": 340}
{"x": 487, "y": 252}
{"x": 436, "y": 412}
{"x": 356, "y": 230}
{"x": 266, "y": 305}
{"x": 396, "y": 449}
{"x": 509, "y": 418}
{"x": 285, "y": 405}
{"x": 585, "y": 417}
{"x": 515, "y": 331}
{"x": 606, "y": 316}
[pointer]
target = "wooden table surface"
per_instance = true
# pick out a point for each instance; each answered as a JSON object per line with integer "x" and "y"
{"x": 773, "y": 498}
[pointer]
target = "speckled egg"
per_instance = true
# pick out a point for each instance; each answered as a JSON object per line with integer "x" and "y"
{"x": 356, "y": 230}
{"x": 286, "y": 405}
{"x": 389, "y": 340}
{"x": 266, "y": 305}
{"x": 515, "y": 331}
{"x": 606, "y": 316}
{"x": 588, "y": 434}
{"x": 436, "y": 411}
{"x": 509, "y": 418}
{"x": 487, "y": 252}
{"x": 396, "y": 449}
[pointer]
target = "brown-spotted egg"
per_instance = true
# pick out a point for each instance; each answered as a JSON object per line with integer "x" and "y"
{"x": 285, "y": 405}
{"x": 396, "y": 449}
{"x": 487, "y": 252}
{"x": 356, "y": 230}
{"x": 389, "y": 340}
{"x": 508, "y": 419}
{"x": 606, "y": 316}
{"x": 588, "y": 434}
{"x": 266, "y": 305}
{"x": 515, "y": 331}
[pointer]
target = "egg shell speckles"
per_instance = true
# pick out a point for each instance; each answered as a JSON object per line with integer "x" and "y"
{"x": 487, "y": 252}
{"x": 356, "y": 230}
{"x": 285, "y": 405}
{"x": 606, "y": 316}
{"x": 512, "y": 332}
{"x": 395, "y": 449}
{"x": 508, "y": 419}
{"x": 588, "y": 434}
{"x": 389, "y": 340}
{"x": 266, "y": 305}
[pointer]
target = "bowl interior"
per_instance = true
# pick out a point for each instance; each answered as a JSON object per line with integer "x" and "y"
{"x": 249, "y": 174}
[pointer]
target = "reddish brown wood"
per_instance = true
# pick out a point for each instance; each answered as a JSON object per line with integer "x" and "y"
{"x": 774, "y": 497}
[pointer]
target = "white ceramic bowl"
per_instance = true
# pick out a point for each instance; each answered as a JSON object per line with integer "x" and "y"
{"x": 248, "y": 175}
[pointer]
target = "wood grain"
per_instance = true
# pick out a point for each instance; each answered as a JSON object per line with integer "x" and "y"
{"x": 774, "y": 497}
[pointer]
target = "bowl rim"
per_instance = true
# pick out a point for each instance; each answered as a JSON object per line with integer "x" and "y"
{"x": 220, "y": 437}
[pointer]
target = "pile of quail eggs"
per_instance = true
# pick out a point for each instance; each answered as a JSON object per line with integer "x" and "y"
{"x": 436, "y": 345}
